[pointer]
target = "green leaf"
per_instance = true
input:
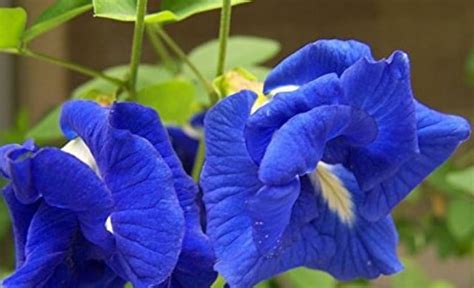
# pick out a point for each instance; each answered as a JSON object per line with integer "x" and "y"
{"x": 412, "y": 276}
{"x": 303, "y": 277}
{"x": 123, "y": 10}
{"x": 441, "y": 284}
{"x": 17, "y": 133}
{"x": 173, "y": 100}
{"x": 171, "y": 11}
{"x": 12, "y": 25}
{"x": 183, "y": 9}
{"x": 463, "y": 179}
{"x": 459, "y": 218}
{"x": 48, "y": 128}
{"x": 264, "y": 284}
{"x": 147, "y": 75}
{"x": 438, "y": 179}
{"x": 61, "y": 11}
{"x": 242, "y": 51}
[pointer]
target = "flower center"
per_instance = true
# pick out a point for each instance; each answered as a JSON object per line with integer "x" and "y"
{"x": 333, "y": 191}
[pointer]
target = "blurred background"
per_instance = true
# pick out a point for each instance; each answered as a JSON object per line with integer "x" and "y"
{"x": 436, "y": 223}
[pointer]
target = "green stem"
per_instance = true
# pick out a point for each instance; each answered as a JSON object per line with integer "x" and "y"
{"x": 73, "y": 66}
{"x": 199, "y": 160}
{"x": 161, "y": 50}
{"x": 137, "y": 46}
{"x": 180, "y": 53}
{"x": 224, "y": 31}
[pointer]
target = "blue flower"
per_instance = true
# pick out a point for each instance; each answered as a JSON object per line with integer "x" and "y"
{"x": 309, "y": 179}
{"x": 121, "y": 199}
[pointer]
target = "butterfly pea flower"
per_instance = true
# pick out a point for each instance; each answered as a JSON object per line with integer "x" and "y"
{"x": 309, "y": 178}
{"x": 116, "y": 195}
{"x": 50, "y": 249}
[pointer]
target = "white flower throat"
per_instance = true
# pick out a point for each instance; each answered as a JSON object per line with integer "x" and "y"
{"x": 333, "y": 191}
{"x": 79, "y": 149}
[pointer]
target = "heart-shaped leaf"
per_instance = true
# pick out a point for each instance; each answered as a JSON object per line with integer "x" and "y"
{"x": 173, "y": 100}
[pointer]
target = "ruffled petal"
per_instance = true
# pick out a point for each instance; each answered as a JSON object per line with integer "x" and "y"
{"x": 438, "y": 136}
{"x": 299, "y": 145}
{"x": 144, "y": 122}
{"x": 197, "y": 258}
{"x": 314, "y": 60}
{"x": 229, "y": 181}
{"x": 147, "y": 222}
{"x": 85, "y": 119}
{"x": 18, "y": 162}
{"x": 4, "y": 161}
{"x": 270, "y": 209}
{"x": 80, "y": 191}
{"x": 49, "y": 238}
{"x": 382, "y": 89}
{"x": 363, "y": 249}
{"x": 266, "y": 120}
{"x": 21, "y": 216}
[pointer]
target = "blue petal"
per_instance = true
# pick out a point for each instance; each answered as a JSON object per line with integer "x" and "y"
{"x": 4, "y": 161}
{"x": 18, "y": 162}
{"x": 195, "y": 265}
{"x": 49, "y": 237}
{"x": 438, "y": 135}
{"x": 382, "y": 90}
{"x": 80, "y": 191}
{"x": 314, "y": 60}
{"x": 363, "y": 249}
{"x": 21, "y": 216}
{"x": 270, "y": 117}
{"x": 85, "y": 119}
{"x": 145, "y": 122}
{"x": 229, "y": 181}
{"x": 299, "y": 145}
{"x": 270, "y": 209}
{"x": 83, "y": 266}
{"x": 142, "y": 188}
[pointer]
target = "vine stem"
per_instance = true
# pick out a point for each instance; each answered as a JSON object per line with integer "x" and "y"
{"x": 160, "y": 49}
{"x": 199, "y": 161}
{"x": 137, "y": 46}
{"x": 73, "y": 66}
{"x": 180, "y": 53}
{"x": 224, "y": 31}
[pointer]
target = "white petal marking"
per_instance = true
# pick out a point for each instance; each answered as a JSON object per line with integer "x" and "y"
{"x": 282, "y": 89}
{"x": 79, "y": 149}
{"x": 334, "y": 192}
{"x": 108, "y": 225}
